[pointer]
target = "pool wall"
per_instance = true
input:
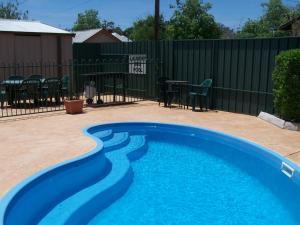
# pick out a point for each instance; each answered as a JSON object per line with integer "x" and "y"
{"x": 32, "y": 199}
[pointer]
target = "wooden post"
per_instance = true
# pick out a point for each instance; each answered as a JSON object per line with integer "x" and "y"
{"x": 157, "y": 20}
{"x": 156, "y": 37}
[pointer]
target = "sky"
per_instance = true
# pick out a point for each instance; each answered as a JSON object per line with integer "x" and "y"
{"x": 63, "y": 13}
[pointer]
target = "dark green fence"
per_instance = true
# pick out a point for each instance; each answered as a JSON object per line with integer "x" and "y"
{"x": 241, "y": 69}
{"x": 114, "y": 54}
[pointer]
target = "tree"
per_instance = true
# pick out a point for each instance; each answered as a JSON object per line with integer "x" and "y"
{"x": 90, "y": 20}
{"x": 87, "y": 20}
{"x": 295, "y": 11}
{"x": 11, "y": 10}
{"x": 253, "y": 29}
{"x": 275, "y": 14}
{"x": 109, "y": 25}
{"x": 143, "y": 29}
{"x": 191, "y": 20}
{"x": 128, "y": 32}
{"x": 226, "y": 32}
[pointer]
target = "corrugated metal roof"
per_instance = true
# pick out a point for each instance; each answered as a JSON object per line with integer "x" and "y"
{"x": 121, "y": 37}
{"x": 7, "y": 25}
{"x": 82, "y": 36}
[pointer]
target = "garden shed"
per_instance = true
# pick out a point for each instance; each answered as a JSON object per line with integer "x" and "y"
{"x": 23, "y": 42}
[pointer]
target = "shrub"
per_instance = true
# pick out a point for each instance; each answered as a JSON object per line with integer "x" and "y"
{"x": 286, "y": 79}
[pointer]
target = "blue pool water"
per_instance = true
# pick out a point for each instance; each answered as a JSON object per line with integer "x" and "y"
{"x": 158, "y": 174}
{"x": 178, "y": 184}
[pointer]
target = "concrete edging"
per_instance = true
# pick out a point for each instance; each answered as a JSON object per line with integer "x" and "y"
{"x": 279, "y": 122}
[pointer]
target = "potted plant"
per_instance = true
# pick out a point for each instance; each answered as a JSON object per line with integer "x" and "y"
{"x": 73, "y": 104}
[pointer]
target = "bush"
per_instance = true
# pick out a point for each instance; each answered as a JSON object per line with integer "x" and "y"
{"x": 286, "y": 79}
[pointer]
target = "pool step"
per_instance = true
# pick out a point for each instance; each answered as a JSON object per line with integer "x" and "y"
{"x": 136, "y": 148}
{"x": 117, "y": 141}
{"x": 83, "y": 205}
{"x": 104, "y": 135}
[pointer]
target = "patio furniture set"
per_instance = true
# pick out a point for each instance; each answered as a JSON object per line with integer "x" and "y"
{"x": 18, "y": 90}
{"x": 183, "y": 92}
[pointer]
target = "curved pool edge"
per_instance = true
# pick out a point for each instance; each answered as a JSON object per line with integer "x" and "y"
{"x": 8, "y": 198}
{"x": 13, "y": 193}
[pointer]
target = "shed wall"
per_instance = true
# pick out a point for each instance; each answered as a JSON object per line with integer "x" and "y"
{"x": 27, "y": 54}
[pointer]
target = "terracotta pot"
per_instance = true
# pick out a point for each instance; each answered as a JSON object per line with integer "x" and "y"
{"x": 73, "y": 106}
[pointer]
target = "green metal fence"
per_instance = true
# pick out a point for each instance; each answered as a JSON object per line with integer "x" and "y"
{"x": 241, "y": 69}
{"x": 109, "y": 78}
{"x": 40, "y": 87}
{"x": 114, "y": 54}
{"x": 36, "y": 87}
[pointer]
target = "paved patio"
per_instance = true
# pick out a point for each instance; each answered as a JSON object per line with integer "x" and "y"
{"x": 31, "y": 143}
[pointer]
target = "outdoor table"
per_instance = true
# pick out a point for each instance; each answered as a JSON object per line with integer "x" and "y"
{"x": 11, "y": 88}
{"x": 100, "y": 76}
{"x": 171, "y": 84}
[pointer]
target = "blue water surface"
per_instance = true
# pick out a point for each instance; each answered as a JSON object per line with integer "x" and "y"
{"x": 179, "y": 184}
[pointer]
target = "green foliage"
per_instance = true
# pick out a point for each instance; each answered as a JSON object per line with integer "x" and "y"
{"x": 143, "y": 29}
{"x": 295, "y": 11}
{"x": 191, "y": 20}
{"x": 226, "y": 32}
{"x": 11, "y": 10}
{"x": 275, "y": 14}
{"x": 89, "y": 19}
{"x": 286, "y": 79}
{"x": 253, "y": 29}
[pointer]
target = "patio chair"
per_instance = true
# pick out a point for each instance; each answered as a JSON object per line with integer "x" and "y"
{"x": 173, "y": 94}
{"x": 29, "y": 89}
{"x": 51, "y": 88}
{"x": 3, "y": 96}
{"x": 200, "y": 91}
{"x": 9, "y": 86}
{"x": 185, "y": 95}
{"x": 162, "y": 88}
{"x": 65, "y": 85}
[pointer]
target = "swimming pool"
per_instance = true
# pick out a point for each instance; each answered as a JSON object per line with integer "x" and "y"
{"x": 153, "y": 173}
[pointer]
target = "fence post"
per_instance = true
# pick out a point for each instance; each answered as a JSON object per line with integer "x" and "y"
{"x": 157, "y": 66}
{"x": 172, "y": 52}
{"x": 71, "y": 83}
{"x": 212, "y": 99}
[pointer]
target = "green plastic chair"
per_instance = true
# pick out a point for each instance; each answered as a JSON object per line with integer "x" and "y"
{"x": 3, "y": 96}
{"x": 51, "y": 88}
{"x": 29, "y": 89}
{"x": 200, "y": 91}
{"x": 162, "y": 88}
{"x": 65, "y": 80}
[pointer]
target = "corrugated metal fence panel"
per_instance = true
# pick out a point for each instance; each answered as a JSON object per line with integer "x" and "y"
{"x": 241, "y": 69}
{"x": 149, "y": 48}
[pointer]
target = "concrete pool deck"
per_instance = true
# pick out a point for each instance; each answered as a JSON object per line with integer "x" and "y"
{"x": 31, "y": 143}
